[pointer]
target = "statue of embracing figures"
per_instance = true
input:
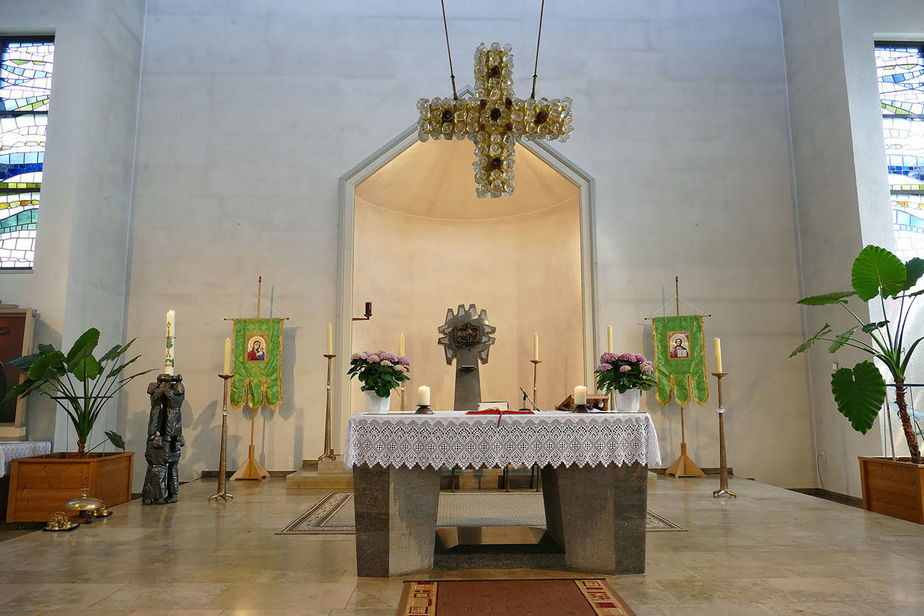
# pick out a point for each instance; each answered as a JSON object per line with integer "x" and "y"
{"x": 165, "y": 439}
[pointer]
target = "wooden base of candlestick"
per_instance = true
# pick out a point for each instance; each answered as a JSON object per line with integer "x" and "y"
{"x": 723, "y": 464}
{"x": 222, "y": 473}
{"x": 328, "y": 453}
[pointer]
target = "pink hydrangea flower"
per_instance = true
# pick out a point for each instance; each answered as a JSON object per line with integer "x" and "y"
{"x": 401, "y": 368}
{"x": 355, "y": 356}
{"x": 404, "y": 361}
{"x": 372, "y": 358}
{"x": 608, "y": 358}
{"x": 604, "y": 366}
{"x": 624, "y": 368}
{"x": 647, "y": 367}
{"x": 387, "y": 363}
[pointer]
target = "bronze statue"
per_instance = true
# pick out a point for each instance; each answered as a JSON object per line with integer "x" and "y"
{"x": 165, "y": 439}
{"x": 466, "y": 337}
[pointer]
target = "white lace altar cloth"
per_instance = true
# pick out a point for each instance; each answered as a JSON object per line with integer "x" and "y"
{"x": 454, "y": 439}
{"x": 10, "y": 450}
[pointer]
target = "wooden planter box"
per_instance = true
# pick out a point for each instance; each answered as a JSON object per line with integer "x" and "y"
{"x": 41, "y": 485}
{"x": 893, "y": 487}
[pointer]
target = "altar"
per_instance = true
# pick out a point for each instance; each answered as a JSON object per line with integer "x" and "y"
{"x": 594, "y": 470}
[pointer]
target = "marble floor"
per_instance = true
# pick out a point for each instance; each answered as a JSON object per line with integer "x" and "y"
{"x": 771, "y": 552}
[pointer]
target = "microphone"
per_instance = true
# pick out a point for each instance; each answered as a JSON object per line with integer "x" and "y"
{"x": 527, "y": 398}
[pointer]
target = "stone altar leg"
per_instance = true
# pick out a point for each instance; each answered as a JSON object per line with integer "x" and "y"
{"x": 597, "y": 515}
{"x": 395, "y": 519}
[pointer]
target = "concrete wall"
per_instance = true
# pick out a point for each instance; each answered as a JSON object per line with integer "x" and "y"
{"x": 250, "y": 114}
{"x": 841, "y": 187}
{"x": 82, "y": 251}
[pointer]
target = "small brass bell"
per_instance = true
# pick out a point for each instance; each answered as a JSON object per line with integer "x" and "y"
{"x": 85, "y": 506}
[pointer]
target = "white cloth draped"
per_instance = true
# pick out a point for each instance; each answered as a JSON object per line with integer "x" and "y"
{"x": 454, "y": 439}
{"x": 10, "y": 450}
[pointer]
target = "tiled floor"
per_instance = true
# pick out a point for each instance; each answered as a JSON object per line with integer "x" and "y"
{"x": 771, "y": 552}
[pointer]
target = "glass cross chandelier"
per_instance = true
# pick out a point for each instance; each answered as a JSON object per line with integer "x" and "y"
{"x": 494, "y": 118}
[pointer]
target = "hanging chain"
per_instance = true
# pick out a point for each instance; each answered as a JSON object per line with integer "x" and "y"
{"x": 449, "y": 51}
{"x": 532, "y": 94}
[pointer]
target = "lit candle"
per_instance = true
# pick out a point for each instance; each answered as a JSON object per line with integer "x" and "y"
{"x": 171, "y": 342}
{"x": 227, "y": 364}
{"x": 401, "y": 345}
{"x": 718, "y": 355}
{"x": 536, "y": 347}
{"x": 423, "y": 396}
{"x": 580, "y": 395}
{"x": 330, "y": 339}
{"x": 609, "y": 338}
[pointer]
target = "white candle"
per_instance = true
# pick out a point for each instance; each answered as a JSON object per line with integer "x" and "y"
{"x": 227, "y": 365}
{"x": 609, "y": 338}
{"x": 169, "y": 362}
{"x": 423, "y": 396}
{"x": 580, "y": 395}
{"x": 718, "y": 355}
{"x": 330, "y": 339}
{"x": 401, "y": 345}
{"x": 536, "y": 347}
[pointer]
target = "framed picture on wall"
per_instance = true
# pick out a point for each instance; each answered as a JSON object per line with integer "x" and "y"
{"x": 17, "y": 334}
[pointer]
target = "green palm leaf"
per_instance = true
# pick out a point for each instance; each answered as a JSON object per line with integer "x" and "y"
{"x": 841, "y": 339}
{"x": 805, "y": 346}
{"x": 859, "y": 393}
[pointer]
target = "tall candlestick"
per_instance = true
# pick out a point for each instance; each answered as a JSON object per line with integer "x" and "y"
{"x": 401, "y": 345}
{"x": 580, "y": 395}
{"x": 330, "y": 339}
{"x": 169, "y": 359}
{"x": 423, "y": 396}
{"x": 718, "y": 355}
{"x": 609, "y": 338}
{"x": 227, "y": 365}
{"x": 536, "y": 347}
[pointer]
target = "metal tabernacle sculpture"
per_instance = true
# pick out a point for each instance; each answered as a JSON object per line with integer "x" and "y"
{"x": 165, "y": 439}
{"x": 466, "y": 337}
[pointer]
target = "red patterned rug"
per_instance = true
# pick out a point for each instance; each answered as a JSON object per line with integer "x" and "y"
{"x": 582, "y": 597}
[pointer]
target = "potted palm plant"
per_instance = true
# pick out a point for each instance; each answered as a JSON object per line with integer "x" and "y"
{"x": 890, "y": 486}
{"x": 81, "y": 384}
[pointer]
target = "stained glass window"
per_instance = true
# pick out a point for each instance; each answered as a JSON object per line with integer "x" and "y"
{"x": 25, "y": 92}
{"x": 901, "y": 92}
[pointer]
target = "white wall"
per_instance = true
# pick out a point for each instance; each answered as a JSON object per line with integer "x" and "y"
{"x": 842, "y": 191}
{"x": 413, "y": 268}
{"x": 250, "y": 113}
{"x": 81, "y": 256}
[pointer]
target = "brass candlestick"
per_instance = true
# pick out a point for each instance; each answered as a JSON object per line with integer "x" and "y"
{"x": 401, "y": 389}
{"x": 723, "y": 464}
{"x": 224, "y": 442}
{"x": 328, "y": 448}
{"x": 535, "y": 363}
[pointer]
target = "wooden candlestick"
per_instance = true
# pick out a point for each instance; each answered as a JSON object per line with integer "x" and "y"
{"x": 328, "y": 448}
{"x": 222, "y": 468}
{"x": 723, "y": 463}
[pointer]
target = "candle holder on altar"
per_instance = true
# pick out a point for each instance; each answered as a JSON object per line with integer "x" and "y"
{"x": 222, "y": 464}
{"x": 723, "y": 463}
{"x": 328, "y": 448}
{"x": 535, "y": 363}
{"x": 423, "y": 409}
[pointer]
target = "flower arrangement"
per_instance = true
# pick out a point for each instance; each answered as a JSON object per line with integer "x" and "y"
{"x": 624, "y": 372}
{"x": 379, "y": 371}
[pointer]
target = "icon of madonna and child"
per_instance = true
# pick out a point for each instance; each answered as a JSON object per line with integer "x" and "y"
{"x": 256, "y": 348}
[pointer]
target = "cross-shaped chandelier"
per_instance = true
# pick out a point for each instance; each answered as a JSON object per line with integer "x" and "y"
{"x": 494, "y": 119}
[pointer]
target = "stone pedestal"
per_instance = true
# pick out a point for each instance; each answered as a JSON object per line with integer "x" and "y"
{"x": 395, "y": 519}
{"x": 597, "y": 515}
{"x": 329, "y": 475}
